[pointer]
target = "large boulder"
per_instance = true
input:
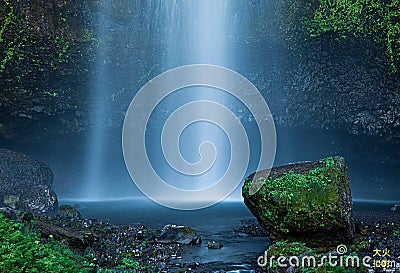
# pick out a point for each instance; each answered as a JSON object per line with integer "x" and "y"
{"x": 26, "y": 183}
{"x": 307, "y": 202}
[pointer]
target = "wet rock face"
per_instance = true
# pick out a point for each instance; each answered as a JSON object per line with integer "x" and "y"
{"x": 307, "y": 202}
{"x": 347, "y": 94}
{"x": 321, "y": 85}
{"x": 120, "y": 10}
{"x": 171, "y": 234}
{"x": 41, "y": 199}
{"x": 26, "y": 183}
{"x": 325, "y": 82}
{"x": 49, "y": 47}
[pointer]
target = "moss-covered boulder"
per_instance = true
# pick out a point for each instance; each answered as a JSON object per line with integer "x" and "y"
{"x": 46, "y": 52}
{"x": 308, "y": 202}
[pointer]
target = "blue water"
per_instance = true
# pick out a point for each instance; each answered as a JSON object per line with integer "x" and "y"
{"x": 216, "y": 223}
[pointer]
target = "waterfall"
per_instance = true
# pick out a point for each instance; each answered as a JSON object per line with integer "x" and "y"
{"x": 93, "y": 188}
{"x": 167, "y": 34}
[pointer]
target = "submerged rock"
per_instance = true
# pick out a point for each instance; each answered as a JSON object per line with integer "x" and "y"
{"x": 214, "y": 245}
{"x": 178, "y": 234}
{"x": 308, "y": 202}
{"x": 26, "y": 183}
{"x": 395, "y": 208}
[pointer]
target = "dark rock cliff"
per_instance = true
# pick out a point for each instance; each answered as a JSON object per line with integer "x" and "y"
{"x": 47, "y": 52}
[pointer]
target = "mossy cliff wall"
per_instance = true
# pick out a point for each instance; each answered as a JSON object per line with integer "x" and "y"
{"x": 329, "y": 65}
{"x": 45, "y": 54}
{"x": 338, "y": 67}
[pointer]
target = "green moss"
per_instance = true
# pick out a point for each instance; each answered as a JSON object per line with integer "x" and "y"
{"x": 52, "y": 94}
{"x": 22, "y": 251}
{"x": 360, "y": 243}
{"x": 298, "y": 249}
{"x": 374, "y": 20}
{"x": 288, "y": 249}
{"x": 7, "y": 20}
{"x": 37, "y": 47}
{"x": 184, "y": 270}
{"x": 129, "y": 264}
{"x": 11, "y": 200}
{"x": 9, "y": 47}
{"x": 300, "y": 198}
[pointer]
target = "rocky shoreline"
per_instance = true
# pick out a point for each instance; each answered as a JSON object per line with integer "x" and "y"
{"x": 106, "y": 245}
{"x": 110, "y": 247}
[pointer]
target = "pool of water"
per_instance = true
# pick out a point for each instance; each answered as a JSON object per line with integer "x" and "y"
{"x": 216, "y": 223}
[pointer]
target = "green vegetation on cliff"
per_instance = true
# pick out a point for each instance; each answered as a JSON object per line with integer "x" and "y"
{"x": 372, "y": 20}
{"x": 46, "y": 50}
{"x": 8, "y": 47}
{"x": 41, "y": 42}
